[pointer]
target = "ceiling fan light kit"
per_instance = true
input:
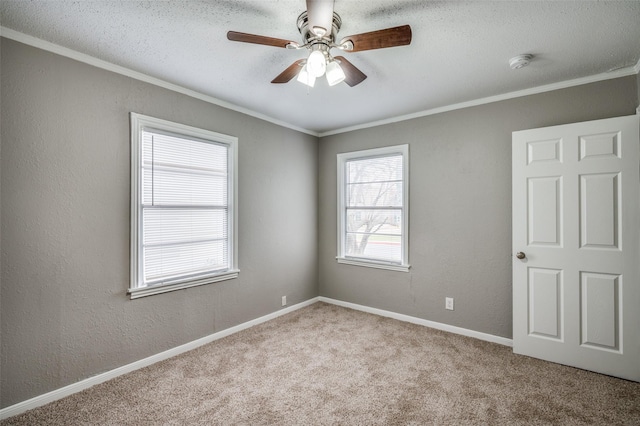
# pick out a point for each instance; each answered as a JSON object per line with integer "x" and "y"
{"x": 312, "y": 25}
{"x": 316, "y": 63}
{"x": 305, "y": 77}
{"x": 335, "y": 74}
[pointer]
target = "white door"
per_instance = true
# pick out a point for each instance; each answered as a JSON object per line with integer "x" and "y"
{"x": 576, "y": 227}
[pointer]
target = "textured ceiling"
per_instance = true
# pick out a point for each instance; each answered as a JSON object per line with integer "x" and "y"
{"x": 460, "y": 50}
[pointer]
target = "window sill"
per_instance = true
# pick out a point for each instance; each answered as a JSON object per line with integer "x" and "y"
{"x": 371, "y": 264}
{"x": 135, "y": 293}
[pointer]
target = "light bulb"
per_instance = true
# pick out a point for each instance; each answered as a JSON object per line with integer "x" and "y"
{"x": 335, "y": 74}
{"x": 316, "y": 64}
{"x": 305, "y": 77}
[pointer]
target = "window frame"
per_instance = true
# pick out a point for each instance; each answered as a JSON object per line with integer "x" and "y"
{"x": 342, "y": 159}
{"x": 139, "y": 123}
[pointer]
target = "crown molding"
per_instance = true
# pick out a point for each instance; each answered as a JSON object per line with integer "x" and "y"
{"x": 623, "y": 72}
{"x": 99, "y": 63}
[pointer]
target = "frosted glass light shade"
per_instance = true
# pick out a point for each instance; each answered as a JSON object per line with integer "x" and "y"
{"x": 335, "y": 74}
{"x": 316, "y": 64}
{"x": 305, "y": 77}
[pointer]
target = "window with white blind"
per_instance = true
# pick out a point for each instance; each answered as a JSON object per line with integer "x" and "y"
{"x": 183, "y": 216}
{"x": 373, "y": 209}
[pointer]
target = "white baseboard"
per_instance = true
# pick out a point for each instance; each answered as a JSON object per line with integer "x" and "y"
{"x": 420, "y": 321}
{"x": 48, "y": 397}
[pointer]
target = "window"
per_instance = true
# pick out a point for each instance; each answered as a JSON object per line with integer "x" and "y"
{"x": 183, "y": 215}
{"x": 373, "y": 208}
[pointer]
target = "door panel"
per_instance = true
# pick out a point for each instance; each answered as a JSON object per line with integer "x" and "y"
{"x": 576, "y": 216}
{"x": 599, "y": 210}
{"x": 543, "y": 151}
{"x": 600, "y": 146}
{"x": 545, "y": 303}
{"x": 544, "y": 211}
{"x": 600, "y": 311}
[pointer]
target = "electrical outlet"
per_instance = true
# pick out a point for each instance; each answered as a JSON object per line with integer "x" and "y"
{"x": 448, "y": 303}
{"x": 284, "y": 300}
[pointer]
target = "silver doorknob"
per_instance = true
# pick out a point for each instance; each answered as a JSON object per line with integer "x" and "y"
{"x": 520, "y": 255}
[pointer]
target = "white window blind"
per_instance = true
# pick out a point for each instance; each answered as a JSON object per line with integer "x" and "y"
{"x": 183, "y": 207}
{"x": 372, "y": 207}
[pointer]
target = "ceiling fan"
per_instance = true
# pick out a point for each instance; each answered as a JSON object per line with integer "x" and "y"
{"x": 319, "y": 26}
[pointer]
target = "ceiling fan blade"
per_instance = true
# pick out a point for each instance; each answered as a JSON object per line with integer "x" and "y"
{"x": 353, "y": 75}
{"x": 258, "y": 39}
{"x": 320, "y": 14}
{"x": 291, "y": 71}
{"x": 396, "y": 36}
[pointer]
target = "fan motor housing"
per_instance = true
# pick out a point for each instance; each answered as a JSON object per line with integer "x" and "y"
{"x": 308, "y": 36}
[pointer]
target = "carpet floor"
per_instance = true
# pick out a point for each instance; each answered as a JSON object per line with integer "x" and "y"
{"x": 326, "y": 365}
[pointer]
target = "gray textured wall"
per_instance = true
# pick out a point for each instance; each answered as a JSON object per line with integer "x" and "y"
{"x": 638, "y": 89}
{"x": 460, "y": 205}
{"x": 65, "y": 173}
{"x": 64, "y": 214}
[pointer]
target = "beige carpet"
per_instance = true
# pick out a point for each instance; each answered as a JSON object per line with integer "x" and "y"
{"x": 329, "y": 365}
